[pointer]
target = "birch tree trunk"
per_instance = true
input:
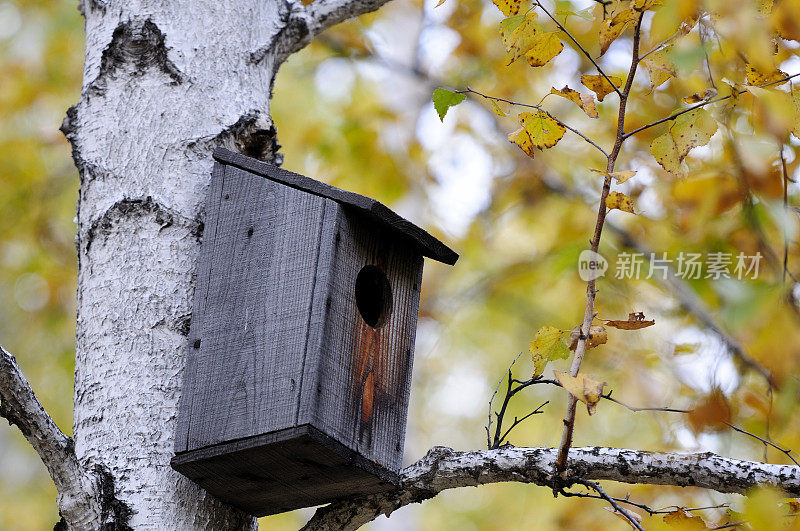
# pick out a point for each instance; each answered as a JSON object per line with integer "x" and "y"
{"x": 163, "y": 84}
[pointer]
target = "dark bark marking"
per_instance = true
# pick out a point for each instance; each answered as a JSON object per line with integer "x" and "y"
{"x": 139, "y": 46}
{"x": 7, "y": 412}
{"x": 115, "y": 514}
{"x": 248, "y": 137}
{"x": 136, "y": 207}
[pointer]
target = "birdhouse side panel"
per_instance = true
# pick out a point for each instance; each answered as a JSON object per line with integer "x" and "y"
{"x": 368, "y": 342}
{"x": 249, "y": 354}
{"x": 213, "y": 198}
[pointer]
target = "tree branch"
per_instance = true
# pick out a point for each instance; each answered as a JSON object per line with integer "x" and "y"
{"x": 77, "y": 500}
{"x": 591, "y": 292}
{"x": 444, "y": 468}
{"x": 321, "y": 15}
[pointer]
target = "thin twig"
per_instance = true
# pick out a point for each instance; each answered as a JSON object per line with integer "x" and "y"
{"x": 703, "y": 104}
{"x": 581, "y": 48}
{"x": 642, "y": 506}
{"x": 636, "y": 409}
{"x": 597, "y": 488}
{"x": 468, "y": 90}
{"x": 511, "y": 391}
{"x": 785, "y": 451}
{"x": 491, "y": 402}
{"x": 588, "y": 316}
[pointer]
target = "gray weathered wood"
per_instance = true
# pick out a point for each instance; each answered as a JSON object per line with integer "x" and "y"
{"x": 425, "y": 243}
{"x": 291, "y": 398}
{"x": 249, "y": 364}
{"x": 202, "y": 280}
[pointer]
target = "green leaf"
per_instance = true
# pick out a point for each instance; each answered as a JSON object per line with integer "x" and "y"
{"x": 443, "y": 99}
{"x": 547, "y": 345}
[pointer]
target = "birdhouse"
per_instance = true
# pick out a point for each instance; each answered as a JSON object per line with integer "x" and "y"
{"x": 301, "y": 344}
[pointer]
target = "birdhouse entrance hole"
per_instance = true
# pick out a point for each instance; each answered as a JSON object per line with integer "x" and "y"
{"x": 373, "y": 296}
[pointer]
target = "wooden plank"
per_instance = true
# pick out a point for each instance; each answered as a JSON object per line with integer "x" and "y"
{"x": 282, "y": 471}
{"x": 202, "y": 278}
{"x": 249, "y": 365}
{"x": 426, "y": 244}
{"x": 359, "y": 362}
{"x": 310, "y": 390}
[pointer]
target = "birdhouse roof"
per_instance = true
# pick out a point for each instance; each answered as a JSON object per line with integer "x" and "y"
{"x": 425, "y": 243}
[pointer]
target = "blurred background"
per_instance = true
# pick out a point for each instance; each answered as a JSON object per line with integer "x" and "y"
{"x": 354, "y": 109}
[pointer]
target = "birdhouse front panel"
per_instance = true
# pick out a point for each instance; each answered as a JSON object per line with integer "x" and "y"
{"x": 300, "y": 351}
{"x": 369, "y": 332}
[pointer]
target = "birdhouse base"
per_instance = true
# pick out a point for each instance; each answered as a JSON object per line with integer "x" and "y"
{"x": 282, "y": 471}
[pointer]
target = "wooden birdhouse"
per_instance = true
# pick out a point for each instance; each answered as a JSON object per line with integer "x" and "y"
{"x": 298, "y": 373}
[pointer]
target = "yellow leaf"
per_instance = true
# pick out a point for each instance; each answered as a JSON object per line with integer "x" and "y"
{"x": 597, "y": 336}
{"x": 548, "y": 344}
{"x": 757, "y": 77}
{"x": 584, "y": 101}
{"x": 518, "y": 34}
{"x": 700, "y": 96}
{"x": 582, "y": 387}
{"x": 543, "y": 131}
{"x": 497, "y": 110}
{"x": 440, "y": 2}
{"x": 644, "y": 5}
{"x": 614, "y": 26}
{"x": 620, "y": 176}
{"x": 619, "y": 201}
{"x": 545, "y": 47}
{"x": 598, "y": 84}
{"x": 521, "y": 138}
{"x": 508, "y": 7}
{"x": 689, "y": 130}
{"x": 659, "y": 66}
{"x": 666, "y": 154}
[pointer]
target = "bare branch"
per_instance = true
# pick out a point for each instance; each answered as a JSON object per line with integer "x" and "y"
{"x": 77, "y": 501}
{"x": 591, "y": 292}
{"x": 443, "y": 468}
{"x": 702, "y": 104}
{"x": 305, "y": 23}
{"x": 629, "y": 516}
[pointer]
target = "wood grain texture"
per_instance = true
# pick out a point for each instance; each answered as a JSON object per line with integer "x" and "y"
{"x": 283, "y": 470}
{"x": 202, "y": 281}
{"x": 291, "y": 398}
{"x": 254, "y": 330}
{"x": 421, "y": 239}
{"x": 359, "y": 362}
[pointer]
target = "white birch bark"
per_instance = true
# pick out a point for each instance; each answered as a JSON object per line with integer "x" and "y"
{"x": 163, "y": 84}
